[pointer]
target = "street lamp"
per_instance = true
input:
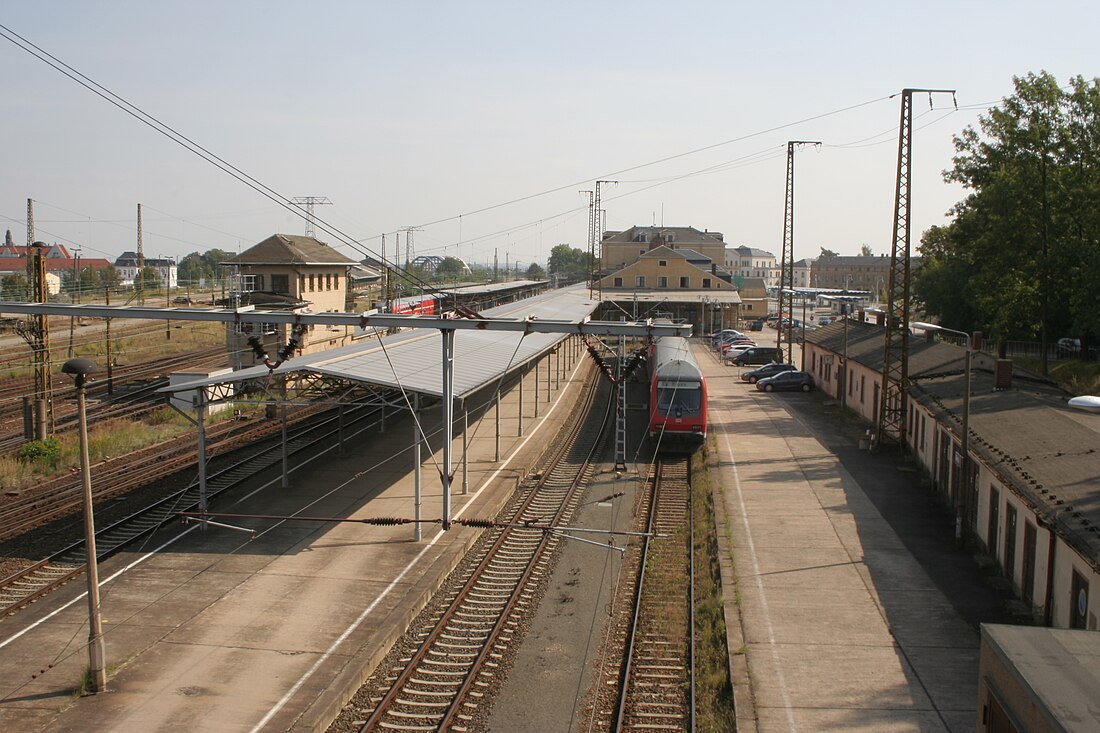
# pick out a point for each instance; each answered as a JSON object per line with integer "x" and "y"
{"x": 80, "y": 369}
{"x": 964, "y": 491}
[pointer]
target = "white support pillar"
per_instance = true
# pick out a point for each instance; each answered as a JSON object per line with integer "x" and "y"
{"x": 496, "y": 414}
{"x": 340, "y": 424}
{"x": 200, "y": 414}
{"x": 417, "y": 440}
{"x": 448, "y": 425}
{"x": 522, "y": 374}
{"x": 465, "y": 451}
{"x": 282, "y": 432}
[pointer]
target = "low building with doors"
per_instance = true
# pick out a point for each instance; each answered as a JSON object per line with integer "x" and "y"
{"x": 1030, "y": 503}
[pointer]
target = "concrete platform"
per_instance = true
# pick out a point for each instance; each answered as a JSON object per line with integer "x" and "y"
{"x": 217, "y": 632}
{"x": 843, "y": 629}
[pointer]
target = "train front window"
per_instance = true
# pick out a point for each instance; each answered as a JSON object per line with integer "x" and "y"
{"x": 680, "y": 400}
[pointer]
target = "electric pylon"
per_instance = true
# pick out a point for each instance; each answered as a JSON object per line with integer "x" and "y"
{"x": 895, "y": 358}
{"x": 595, "y": 249}
{"x": 786, "y": 262}
{"x": 309, "y": 202}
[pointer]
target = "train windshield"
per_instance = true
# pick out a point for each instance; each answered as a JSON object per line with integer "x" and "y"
{"x": 678, "y": 398}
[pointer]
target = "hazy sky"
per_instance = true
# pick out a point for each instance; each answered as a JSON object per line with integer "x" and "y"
{"x": 438, "y": 114}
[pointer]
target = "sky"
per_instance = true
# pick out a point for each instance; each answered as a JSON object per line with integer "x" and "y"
{"x": 477, "y": 124}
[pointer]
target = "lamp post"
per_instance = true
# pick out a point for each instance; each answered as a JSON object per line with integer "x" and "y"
{"x": 963, "y": 496}
{"x": 80, "y": 369}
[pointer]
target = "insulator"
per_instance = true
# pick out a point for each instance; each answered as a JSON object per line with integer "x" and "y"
{"x": 484, "y": 523}
{"x": 386, "y": 521}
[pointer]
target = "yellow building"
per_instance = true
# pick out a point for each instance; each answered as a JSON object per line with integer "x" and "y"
{"x": 289, "y": 271}
{"x": 619, "y": 249}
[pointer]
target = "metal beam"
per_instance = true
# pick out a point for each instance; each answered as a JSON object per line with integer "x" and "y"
{"x": 369, "y": 319}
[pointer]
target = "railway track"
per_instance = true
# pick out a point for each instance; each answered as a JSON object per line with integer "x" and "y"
{"x": 34, "y": 582}
{"x": 647, "y": 681}
{"x": 443, "y": 674}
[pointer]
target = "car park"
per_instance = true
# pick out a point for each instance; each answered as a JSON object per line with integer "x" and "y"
{"x": 799, "y": 381}
{"x": 739, "y": 344}
{"x": 758, "y": 355}
{"x": 768, "y": 370}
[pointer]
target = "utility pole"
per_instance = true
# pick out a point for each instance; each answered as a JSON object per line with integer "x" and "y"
{"x": 895, "y": 359}
{"x": 37, "y": 335}
{"x": 410, "y": 251}
{"x": 591, "y": 242}
{"x": 309, "y": 202}
{"x": 786, "y": 262}
{"x": 139, "y": 281}
{"x": 597, "y": 238}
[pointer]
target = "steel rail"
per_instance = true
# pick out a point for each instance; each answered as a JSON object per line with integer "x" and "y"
{"x": 455, "y": 694}
{"x": 20, "y": 589}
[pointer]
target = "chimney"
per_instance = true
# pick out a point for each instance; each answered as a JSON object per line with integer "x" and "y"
{"x": 713, "y": 268}
{"x": 1002, "y": 374}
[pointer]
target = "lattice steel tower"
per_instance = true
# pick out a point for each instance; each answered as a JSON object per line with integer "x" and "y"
{"x": 309, "y": 202}
{"x": 786, "y": 261}
{"x": 895, "y": 359}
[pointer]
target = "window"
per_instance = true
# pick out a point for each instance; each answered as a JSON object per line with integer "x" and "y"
{"x": 328, "y": 281}
{"x": 336, "y": 282}
{"x": 706, "y": 282}
{"x": 280, "y": 284}
{"x": 618, "y": 282}
{"x": 662, "y": 263}
{"x": 639, "y": 281}
{"x": 1079, "y": 601}
{"x": 301, "y": 283}
{"x": 662, "y": 282}
{"x": 685, "y": 282}
{"x": 311, "y": 284}
{"x": 1010, "y": 542}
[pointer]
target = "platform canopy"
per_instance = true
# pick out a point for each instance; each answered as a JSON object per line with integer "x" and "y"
{"x": 412, "y": 359}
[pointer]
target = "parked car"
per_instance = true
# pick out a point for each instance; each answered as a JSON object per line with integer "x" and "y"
{"x": 739, "y": 344}
{"x": 757, "y": 325}
{"x": 787, "y": 381}
{"x": 763, "y": 372}
{"x": 725, "y": 335}
{"x": 758, "y": 355}
{"x": 1069, "y": 347}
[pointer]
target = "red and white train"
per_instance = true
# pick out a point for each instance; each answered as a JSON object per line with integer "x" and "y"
{"x": 677, "y": 396}
{"x": 421, "y": 305}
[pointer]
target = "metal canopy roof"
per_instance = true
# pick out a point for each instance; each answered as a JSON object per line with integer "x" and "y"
{"x": 411, "y": 360}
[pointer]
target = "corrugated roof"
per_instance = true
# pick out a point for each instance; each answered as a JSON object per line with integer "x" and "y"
{"x": 412, "y": 360}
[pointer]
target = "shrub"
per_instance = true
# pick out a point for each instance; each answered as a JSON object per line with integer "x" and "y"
{"x": 45, "y": 452}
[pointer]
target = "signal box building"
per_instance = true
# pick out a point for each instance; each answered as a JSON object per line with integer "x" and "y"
{"x": 288, "y": 271}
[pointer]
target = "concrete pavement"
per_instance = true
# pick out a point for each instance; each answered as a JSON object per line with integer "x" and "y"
{"x": 843, "y": 629}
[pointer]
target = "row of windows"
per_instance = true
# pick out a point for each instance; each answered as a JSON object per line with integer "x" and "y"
{"x": 306, "y": 283}
{"x": 662, "y": 282}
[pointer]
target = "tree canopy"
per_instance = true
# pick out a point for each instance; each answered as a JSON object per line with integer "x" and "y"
{"x": 569, "y": 263}
{"x": 1022, "y": 256}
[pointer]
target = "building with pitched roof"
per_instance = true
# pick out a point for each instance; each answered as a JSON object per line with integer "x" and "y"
{"x": 300, "y": 272}
{"x": 748, "y": 262}
{"x": 619, "y": 249}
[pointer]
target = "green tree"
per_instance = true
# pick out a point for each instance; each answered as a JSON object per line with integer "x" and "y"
{"x": 828, "y": 253}
{"x": 147, "y": 279}
{"x": 1026, "y": 228}
{"x": 865, "y": 251}
{"x": 110, "y": 277}
{"x": 569, "y": 263}
{"x": 13, "y": 287}
{"x": 535, "y": 272}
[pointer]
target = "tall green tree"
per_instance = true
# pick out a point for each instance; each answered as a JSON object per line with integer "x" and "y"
{"x": 569, "y": 263}
{"x": 1023, "y": 243}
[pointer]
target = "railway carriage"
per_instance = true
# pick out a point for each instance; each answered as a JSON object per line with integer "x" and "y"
{"x": 421, "y": 305}
{"x": 677, "y": 396}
